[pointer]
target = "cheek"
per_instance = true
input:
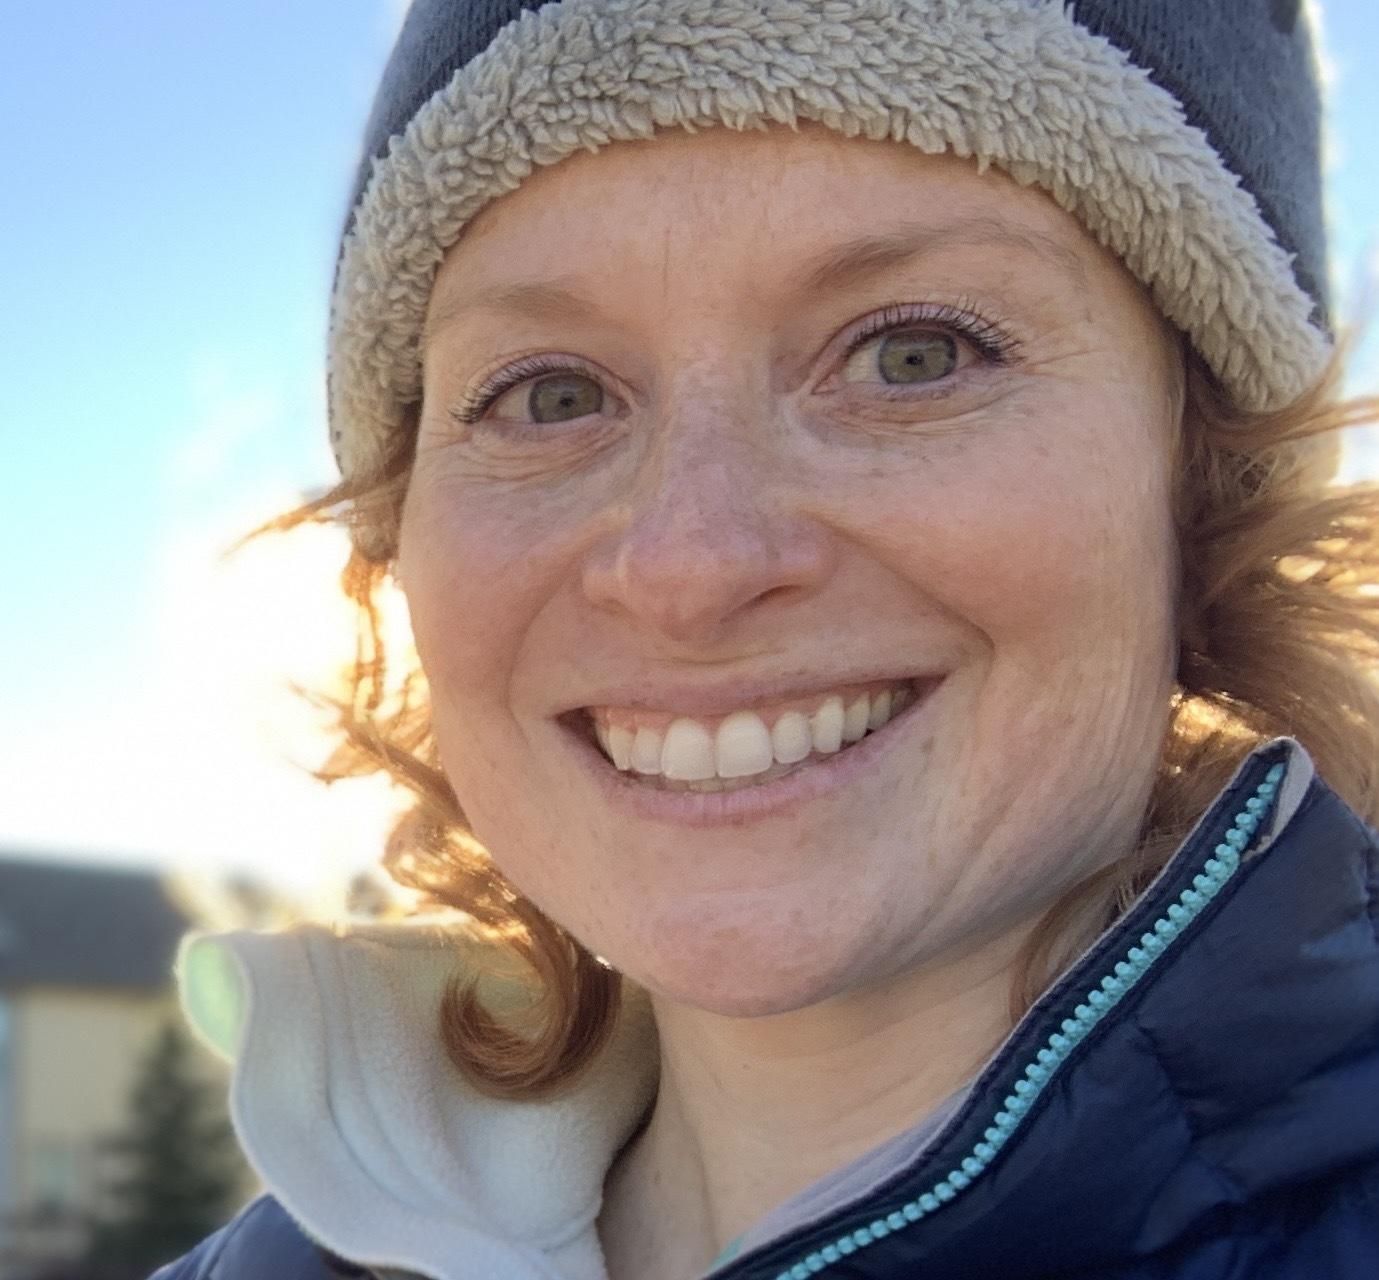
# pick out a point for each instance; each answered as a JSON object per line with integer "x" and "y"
{"x": 486, "y": 576}
{"x": 1053, "y": 556}
{"x": 479, "y": 565}
{"x": 1036, "y": 536}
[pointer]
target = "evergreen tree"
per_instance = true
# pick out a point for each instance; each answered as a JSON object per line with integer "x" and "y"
{"x": 179, "y": 1166}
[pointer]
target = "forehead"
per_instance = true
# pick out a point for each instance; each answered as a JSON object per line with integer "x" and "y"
{"x": 794, "y": 212}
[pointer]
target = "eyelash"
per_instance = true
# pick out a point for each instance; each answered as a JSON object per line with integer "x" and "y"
{"x": 992, "y": 343}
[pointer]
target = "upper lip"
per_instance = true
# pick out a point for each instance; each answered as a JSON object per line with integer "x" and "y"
{"x": 732, "y": 695}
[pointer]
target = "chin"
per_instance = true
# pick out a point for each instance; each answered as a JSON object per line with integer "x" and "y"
{"x": 738, "y": 973}
{"x": 742, "y": 998}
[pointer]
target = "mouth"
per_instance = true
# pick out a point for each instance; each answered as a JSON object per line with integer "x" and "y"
{"x": 744, "y": 765}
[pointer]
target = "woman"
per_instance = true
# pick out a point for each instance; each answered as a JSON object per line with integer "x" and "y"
{"x": 894, "y": 675}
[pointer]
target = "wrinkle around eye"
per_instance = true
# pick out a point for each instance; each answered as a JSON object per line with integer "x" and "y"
{"x": 459, "y": 452}
{"x": 966, "y": 387}
{"x": 977, "y": 410}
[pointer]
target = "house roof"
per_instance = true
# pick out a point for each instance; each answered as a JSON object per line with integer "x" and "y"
{"x": 68, "y": 923}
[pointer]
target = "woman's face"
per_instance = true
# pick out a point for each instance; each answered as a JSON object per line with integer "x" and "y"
{"x": 793, "y": 417}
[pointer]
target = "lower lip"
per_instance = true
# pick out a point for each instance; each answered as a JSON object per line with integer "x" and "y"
{"x": 736, "y": 808}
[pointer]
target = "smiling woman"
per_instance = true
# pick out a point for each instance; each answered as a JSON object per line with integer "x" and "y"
{"x": 892, "y": 668}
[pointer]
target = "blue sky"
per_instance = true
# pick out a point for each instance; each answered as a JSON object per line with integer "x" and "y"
{"x": 176, "y": 180}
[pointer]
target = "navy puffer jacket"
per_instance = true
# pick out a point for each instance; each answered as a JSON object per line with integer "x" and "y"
{"x": 1196, "y": 1099}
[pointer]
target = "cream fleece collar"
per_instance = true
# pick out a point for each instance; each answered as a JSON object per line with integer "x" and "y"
{"x": 348, "y": 1109}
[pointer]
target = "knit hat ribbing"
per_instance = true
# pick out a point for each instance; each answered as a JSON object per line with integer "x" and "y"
{"x": 1184, "y": 136}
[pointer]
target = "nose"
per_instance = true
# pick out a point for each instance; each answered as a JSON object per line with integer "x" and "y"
{"x": 716, "y": 524}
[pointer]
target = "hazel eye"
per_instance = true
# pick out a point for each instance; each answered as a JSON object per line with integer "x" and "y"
{"x": 557, "y": 397}
{"x": 904, "y": 358}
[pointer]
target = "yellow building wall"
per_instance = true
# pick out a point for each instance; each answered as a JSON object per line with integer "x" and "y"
{"x": 75, "y": 1055}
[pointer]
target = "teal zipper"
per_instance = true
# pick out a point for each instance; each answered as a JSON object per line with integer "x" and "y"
{"x": 1094, "y": 1006}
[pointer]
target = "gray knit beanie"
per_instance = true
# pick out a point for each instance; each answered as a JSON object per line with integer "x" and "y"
{"x": 1183, "y": 134}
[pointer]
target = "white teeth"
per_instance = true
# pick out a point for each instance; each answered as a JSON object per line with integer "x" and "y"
{"x": 826, "y": 725}
{"x": 744, "y": 745}
{"x": 646, "y": 751}
{"x": 620, "y": 746}
{"x": 688, "y": 753}
{"x": 856, "y": 717}
{"x": 791, "y": 738}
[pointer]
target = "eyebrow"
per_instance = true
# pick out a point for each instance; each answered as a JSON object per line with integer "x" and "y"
{"x": 848, "y": 264}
